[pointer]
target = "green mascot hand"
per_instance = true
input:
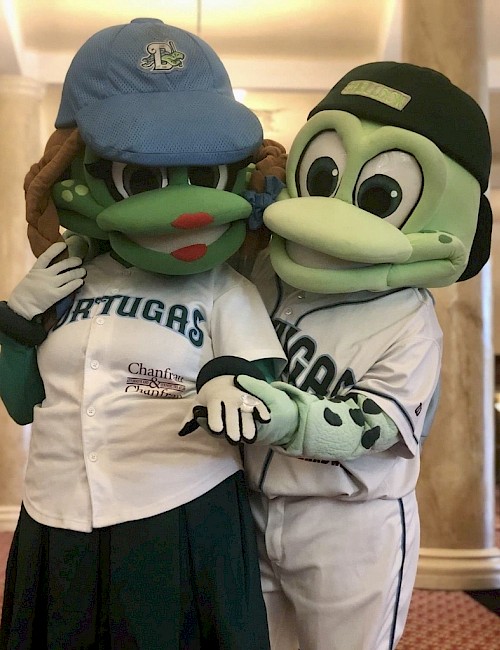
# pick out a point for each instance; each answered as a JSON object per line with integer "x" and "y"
{"x": 280, "y": 429}
{"x": 342, "y": 428}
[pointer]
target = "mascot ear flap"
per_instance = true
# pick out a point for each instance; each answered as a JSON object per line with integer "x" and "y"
{"x": 480, "y": 250}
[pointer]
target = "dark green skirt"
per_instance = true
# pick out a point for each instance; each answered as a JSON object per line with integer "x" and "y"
{"x": 186, "y": 579}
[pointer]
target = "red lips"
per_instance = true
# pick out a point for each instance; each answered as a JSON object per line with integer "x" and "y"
{"x": 190, "y": 253}
{"x": 194, "y": 220}
{"x": 186, "y": 222}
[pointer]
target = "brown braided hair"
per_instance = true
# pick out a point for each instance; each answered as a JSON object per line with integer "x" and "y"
{"x": 270, "y": 160}
{"x": 41, "y": 214}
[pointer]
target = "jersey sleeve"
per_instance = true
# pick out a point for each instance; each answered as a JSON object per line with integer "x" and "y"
{"x": 404, "y": 383}
{"x": 241, "y": 325}
{"x": 390, "y": 407}
{"x": 392, "y": 399}
{"x": 21, "y": 386}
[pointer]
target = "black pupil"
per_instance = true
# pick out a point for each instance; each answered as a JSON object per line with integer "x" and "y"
{"x": 141, "y": 179}
{"x": 204, "y": 176}
{"x": 322, "y": 177}
{"x": 379, "y": 195}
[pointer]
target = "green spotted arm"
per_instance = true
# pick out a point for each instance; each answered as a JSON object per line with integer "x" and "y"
{"x": 342, "y": 428}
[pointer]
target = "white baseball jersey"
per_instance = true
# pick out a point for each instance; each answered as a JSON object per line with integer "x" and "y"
{"x": 119, "y": 373}
{"x": 387, "y": 347}
{"x": 338, "y": 541}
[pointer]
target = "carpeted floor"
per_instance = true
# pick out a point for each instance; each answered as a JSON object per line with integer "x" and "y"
{"x": 438, "y": 620}
{"x": 449, "y": 620}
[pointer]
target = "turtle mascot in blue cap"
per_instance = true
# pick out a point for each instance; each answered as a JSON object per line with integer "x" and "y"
{"x": 130, "y": 536}
{"x": 384, "y": 199}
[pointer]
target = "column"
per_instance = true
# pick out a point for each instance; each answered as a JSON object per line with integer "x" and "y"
{"x": 456, "y": 489}
{"x": 20, "y": 146}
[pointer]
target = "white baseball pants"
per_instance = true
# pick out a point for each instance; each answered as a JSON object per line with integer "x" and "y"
{"x": 337, "y": 575}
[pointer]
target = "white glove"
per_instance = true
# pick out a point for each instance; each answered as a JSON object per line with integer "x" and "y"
{"x": 45, "y": 285}
{"x": 230, "y": 410}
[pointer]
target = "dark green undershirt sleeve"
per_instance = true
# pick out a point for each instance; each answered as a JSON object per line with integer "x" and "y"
{"x": 267, "y": 368}
{"x": 26, "y": 332}
{"x": 21, "y": 386}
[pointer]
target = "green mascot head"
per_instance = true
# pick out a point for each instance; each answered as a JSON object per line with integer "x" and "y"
{"x": 385, "y": 186}
{"x": 159, "y": 156}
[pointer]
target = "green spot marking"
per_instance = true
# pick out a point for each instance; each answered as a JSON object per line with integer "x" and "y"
{"x": 332, "y": 418}
{"x": 371, "y": 407}
{"x": 370, "y": 437}
{"x": 81, "y": 190}
{"x": 67, "y": 196}
{"x": 357, "y": 416}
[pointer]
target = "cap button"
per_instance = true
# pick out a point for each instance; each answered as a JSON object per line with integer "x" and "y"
{"x": 146, "y": 20}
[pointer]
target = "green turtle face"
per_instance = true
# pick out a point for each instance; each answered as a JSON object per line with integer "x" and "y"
{"x": 370, "y": 207}
{"x": 176, "y": 221}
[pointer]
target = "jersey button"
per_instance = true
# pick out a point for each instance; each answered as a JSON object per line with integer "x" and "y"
{"x": 301, "y": 296}
{"x": 94, "y": 364}
{"x": 93, "y": 457}
{"x": 91, "y": 411}
{"x": 288, "y": 311}
{"x": 99, "y": 320}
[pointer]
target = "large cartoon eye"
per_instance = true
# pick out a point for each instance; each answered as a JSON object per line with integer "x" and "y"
{"x": 215, "y": 176}
{"x": 134, "y": 179}
{"x": 321, "y": 166}
{"x": 389, "y": 186}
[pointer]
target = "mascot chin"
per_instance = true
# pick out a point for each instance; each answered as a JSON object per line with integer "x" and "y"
{"x": 129, "y": 535}
{"x": 384, "y": 200}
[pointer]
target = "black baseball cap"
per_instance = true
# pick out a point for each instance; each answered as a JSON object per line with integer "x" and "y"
{"x": 417, "y": 99}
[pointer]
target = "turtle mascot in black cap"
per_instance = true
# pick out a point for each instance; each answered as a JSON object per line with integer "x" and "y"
{"x": 384, "y": 199}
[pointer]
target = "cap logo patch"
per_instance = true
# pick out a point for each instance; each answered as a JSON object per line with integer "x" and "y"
{"x": 162, "y": 57}
{"x": 378, "y": 92}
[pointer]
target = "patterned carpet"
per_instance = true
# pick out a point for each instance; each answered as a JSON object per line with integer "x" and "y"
{"x": 438, "y": 620}
{"x": 449, "y": 620}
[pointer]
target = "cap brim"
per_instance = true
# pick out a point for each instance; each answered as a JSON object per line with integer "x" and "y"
{"x": 176, "y": 129}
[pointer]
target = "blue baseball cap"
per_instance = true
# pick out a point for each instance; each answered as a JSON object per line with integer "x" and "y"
{"x": 152, "y": 94}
